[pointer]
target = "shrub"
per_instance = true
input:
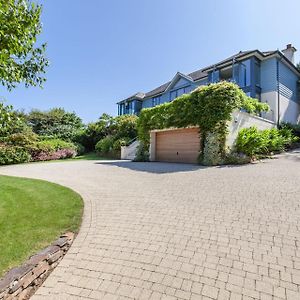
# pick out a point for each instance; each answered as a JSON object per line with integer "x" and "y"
{"x": 234, "y": 158}
{"x": 119, "y": 143}
{"x": 105, "y": 145}
{"x": 254, "y": 142}
{"x": 295, "y": 128}
{"x": 25, "y": 138}
{"x": 80, "y": 149}
{"x": 142, "y": 153}
{"x": 212, "y": 152}
{"x": 121, "y": 127}
{"x": 56, "y": 144}
{"x": 53, "y": 149}
{"x": 13, "y": 155}
{"x": 253, "y": 106}
{"x": 59, "y": 154}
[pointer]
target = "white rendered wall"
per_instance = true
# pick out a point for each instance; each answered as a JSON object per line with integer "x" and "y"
{"x": 289, "y": 110}
{"x": 242, "y": 120}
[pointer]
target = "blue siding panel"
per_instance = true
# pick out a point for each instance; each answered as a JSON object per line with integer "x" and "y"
{"x": 268, "y": 78}
{"x": 288, "y": 82}
{"x": 287, "y": 79}
{"x": 181, "y": 82}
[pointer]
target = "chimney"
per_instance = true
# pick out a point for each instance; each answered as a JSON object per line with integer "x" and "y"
{"x": 289, "y": 52}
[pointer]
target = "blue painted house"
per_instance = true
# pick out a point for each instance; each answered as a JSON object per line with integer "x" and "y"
{"x": 271, "y": 77}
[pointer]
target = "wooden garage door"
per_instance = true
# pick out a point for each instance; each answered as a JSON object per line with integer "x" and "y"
{"x": 181, "y": 145}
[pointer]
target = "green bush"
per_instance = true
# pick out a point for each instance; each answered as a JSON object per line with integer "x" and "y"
{"x": 119, "y": 143}
{"x": 213, "y": 150}
{"x": 142, "y": 153}
{"x": 105, "y": 145}
{"x": 55, "y": 144}
{"x": 80, "y": 149}
{"x": 295, "y": 128}
{"x": 254, "y": 142}
{"x": 234, "y": 158}
{"x": 253, "y": 106}
{"x": 13, "y": 155}
{"x": 121, "y": 127}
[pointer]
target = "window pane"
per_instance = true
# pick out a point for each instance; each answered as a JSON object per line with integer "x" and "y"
{"x": 173, "y": 95}
{"x": 180, "y": 92}
{"x": 187, "y": 89}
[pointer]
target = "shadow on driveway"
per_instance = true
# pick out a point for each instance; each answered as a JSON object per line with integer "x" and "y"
{"x": 160, "y": 167}
{"x": 153, "y": 167}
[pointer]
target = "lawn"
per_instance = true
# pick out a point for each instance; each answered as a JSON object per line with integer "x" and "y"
{"x": 33, "y": 213}
{"x": 90, "y": 156}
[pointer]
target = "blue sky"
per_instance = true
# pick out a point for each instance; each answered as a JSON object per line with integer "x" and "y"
{"x": 102, "y": 51}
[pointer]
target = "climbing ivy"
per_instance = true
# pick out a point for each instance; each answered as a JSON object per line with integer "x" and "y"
{"x": 209, "y": 107}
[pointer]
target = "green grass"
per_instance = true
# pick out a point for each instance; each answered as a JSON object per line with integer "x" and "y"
{"x": 33, "y": 213}
{"x": 89, "y": 156}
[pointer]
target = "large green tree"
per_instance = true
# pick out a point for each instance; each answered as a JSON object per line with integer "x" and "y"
{"x": 21, "y": 59}
{"x": 55, "y": 123}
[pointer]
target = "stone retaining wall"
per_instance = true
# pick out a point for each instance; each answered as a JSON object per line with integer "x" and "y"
{"x": 21, "y": 282}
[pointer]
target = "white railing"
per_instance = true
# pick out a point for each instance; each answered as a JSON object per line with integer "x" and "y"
{"x": 129, "y": 152}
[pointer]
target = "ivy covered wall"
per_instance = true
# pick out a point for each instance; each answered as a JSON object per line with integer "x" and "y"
{"x": 209, "y": 107}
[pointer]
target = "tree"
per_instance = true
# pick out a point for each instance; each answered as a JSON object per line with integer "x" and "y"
{"x": 55, "y": 123}
{"x": 117, "y": 128}
{"x": 124, "y": 126}
{"x": 20, "y": 59}
{"x": 95, "y": 131}
{"x": 9, "y": 120}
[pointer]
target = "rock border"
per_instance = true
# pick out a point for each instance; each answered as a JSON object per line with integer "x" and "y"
{"x": 22, "y": 282}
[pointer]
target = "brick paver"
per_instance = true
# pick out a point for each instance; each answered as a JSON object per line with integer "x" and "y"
{"x": 167, "y": 231}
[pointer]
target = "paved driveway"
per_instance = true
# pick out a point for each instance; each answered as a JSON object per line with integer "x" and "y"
{"x": 167, "y": 231}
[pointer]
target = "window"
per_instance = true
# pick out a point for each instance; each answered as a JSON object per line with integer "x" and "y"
{"x": 155, "y": 101}
{"x": 187, "y": 89}
{"x": 129, "y": 108}
{"x": 214, "y": 76}
{"x": 173, "y": 95}
{"x": 257, "y": 73}
{"x": 179, "y": 92}
{"x": 244, "y": 73}
{"x": 121, "y": 109}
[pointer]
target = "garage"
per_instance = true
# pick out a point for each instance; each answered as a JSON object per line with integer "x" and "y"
{"x": 176, "y": 145}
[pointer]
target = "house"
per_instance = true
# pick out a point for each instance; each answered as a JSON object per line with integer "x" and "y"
{"x": 270, "y": 76}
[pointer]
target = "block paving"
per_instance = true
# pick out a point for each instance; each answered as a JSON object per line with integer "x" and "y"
{"x": 174, "y": 231}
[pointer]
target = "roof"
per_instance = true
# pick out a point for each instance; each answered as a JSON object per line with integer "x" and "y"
{"x": 139, "y": 96}
{"x": 203, "y": 73}
{"x": 158, "y": 90}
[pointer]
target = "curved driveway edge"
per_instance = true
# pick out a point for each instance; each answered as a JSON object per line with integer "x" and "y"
{"x": 168, "y": 231}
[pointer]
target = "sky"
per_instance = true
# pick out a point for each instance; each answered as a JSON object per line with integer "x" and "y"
{"x": 102, "y": 51}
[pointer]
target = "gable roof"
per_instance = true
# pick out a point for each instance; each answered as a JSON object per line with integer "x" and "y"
{"x": 177, "y": 76}
{"x": 203, "y": 73}
{"x": 195, "y": 76}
